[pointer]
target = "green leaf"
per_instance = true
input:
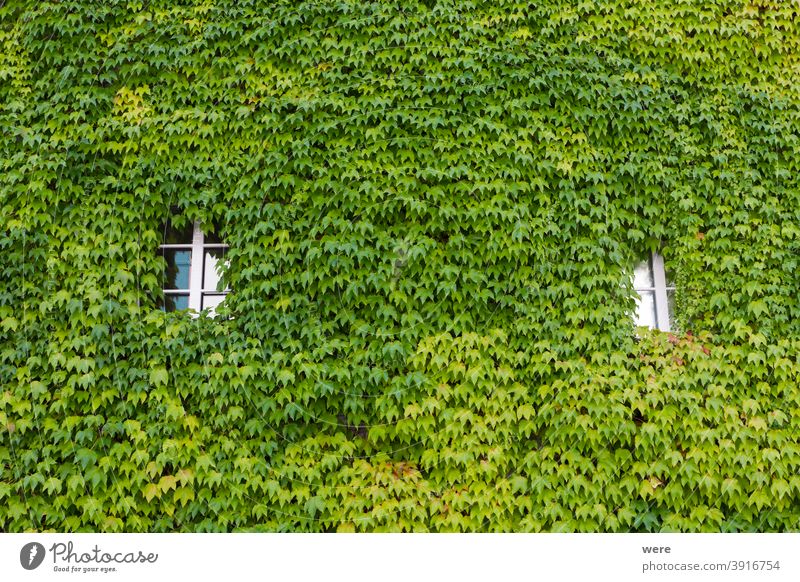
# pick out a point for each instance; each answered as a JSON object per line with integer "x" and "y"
{"x": 159, "y": 376}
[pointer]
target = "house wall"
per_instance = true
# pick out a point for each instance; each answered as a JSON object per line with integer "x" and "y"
{"x": 432, "y": 212}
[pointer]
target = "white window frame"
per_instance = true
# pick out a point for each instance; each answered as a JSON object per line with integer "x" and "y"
{"x": 197, "y": 247}
{"x": 660, "y": 291}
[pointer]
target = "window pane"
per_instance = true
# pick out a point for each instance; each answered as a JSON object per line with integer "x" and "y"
{"x": 173, "y": 302}
{"x": 671, "y": 307}
{"x": 643, "y": 275}
{"x": 213, "y": 263}
{"x": 176, "y": 274}
{"x": 212, "y": 236}
{"x": 210, "y": 301}
{"x": 177, "y": 235}
{"x": 646, "y": 309}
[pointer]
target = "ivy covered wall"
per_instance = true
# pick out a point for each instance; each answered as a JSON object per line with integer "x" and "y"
{"x": 433, "y": 209}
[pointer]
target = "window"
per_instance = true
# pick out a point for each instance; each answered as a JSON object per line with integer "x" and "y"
{"x": 654, "y": 304}
{"x": 192, "y": 278}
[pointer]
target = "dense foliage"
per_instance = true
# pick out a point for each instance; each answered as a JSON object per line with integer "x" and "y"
{"x": 433, "y": 210}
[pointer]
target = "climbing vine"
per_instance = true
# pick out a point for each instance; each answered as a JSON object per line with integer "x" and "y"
{"x": 433, "y": 210}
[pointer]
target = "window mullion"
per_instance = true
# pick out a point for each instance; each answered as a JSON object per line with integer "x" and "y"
{"x": 196, "y": 269}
